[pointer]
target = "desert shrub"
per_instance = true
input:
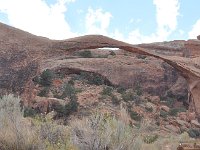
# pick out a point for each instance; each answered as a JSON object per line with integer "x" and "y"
{"x": 44, "y": 92}
{"x": 96, "y": 79}
{"x": 194, "y": 133}
{"x": 135, "y": 116}
{"x": 29, "y": 112}
{"x": 138, "y": 89}
{"x": 91, "y": 78}
{"x": 101, "y": 132}
{"x": 10, "y": 105}
{"x": 14, "y": 134}
{"x": 106, "y": 132}
{"x": 179, "y": 97}
{"x": 85, "y": 54}
{"x": 45, "y": 79}
{"x": 163, "y": 114}
{"x": 103, "y": 97}
{"x": 112, "y": 53}
{"x": 71, "y": 81}
{"x": 115, "y": 100}
{"x": 149, "y": 109}
{"x": 121, "y": 89}
{"x": 51, "y": 132}
{"x": 69, "y": 91}
{"x": 149, "y": 139}
{"x": 107, "y": 91}
{"x": 131, "y": 96}
{"x": 175, "y": 111}
{"x": 101, "y": 56}
{"x": 128, "y": 96}
{"x": 67, "y": 109}
{"x": 168, "y": 101}
{"x": 141, "y": 56}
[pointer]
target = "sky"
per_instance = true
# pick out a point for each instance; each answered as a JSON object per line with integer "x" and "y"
{"x": 133, "y": 21}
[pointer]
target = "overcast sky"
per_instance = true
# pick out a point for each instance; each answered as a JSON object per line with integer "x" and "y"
{"x": 134, "y": 21}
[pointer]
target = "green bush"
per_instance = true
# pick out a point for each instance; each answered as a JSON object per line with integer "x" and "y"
{"x": 107, "y": 91}
{"x": 112, "y": 53}
{"x": 131, "y": 96}
{"x": 72, "y": 106}
{"x": 85, "y": 54}
{"x": 115, "y": 100}
{"x": 102, "y": 56}
{"x": 69, "y": 91}
{"x": 44, "y": 92}
{"x": 30, "y": 112}
{"x": 141, "y": 56}
{"x": 149, "y": 109}
{"x": 168, "y": 101}
{"x": 138, "y": 89}
{"x": 135, "y": 116}
{"x": 128, "y": 96}
{"x": 71, "y": 81}
{"x": 194, "y": 133}
{"x": 163, "y": 114}
{"x": 45, "y": 79}
{"x": 121, "y": 90}
{"x": 91, "y": 78}
{"x": 175, "y": 111}
{"x": 66, "y": 110}
{"x": 149, "y": 139}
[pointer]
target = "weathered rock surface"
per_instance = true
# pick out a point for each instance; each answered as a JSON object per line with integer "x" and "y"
{"x": 151, "y": 74}
{"x": 198, "y": 37}
{"x": 22, "y": 56}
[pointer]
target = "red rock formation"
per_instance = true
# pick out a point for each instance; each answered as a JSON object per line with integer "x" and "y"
{"x": 21, "y": 55}
{"x": 198, "y": 37}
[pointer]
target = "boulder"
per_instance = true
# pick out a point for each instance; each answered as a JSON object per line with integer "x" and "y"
{"x": 183, "y": 123}
{"x": 198, "y": 37}
{"x": 165, "y": 108}
{"x": 191, "y": 116}
{"x": 182, "y": 116}
{"x": 173, "y": 128}
{"x": 154, "y": 99}
{"x": 45, "y": 105}
{"x": 195, "y": 123}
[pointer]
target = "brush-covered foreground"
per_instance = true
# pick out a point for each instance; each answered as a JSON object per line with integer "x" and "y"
{"x": 99, "y": 131}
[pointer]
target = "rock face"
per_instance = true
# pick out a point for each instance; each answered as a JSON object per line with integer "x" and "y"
{"x": 151, "y": 75}
{"x": 22, "y": 56}
{"x": 198, "y": 37}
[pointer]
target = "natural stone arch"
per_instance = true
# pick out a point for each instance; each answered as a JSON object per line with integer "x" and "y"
{"x": 22, "y": 55}
{"x": 189, "y": 68}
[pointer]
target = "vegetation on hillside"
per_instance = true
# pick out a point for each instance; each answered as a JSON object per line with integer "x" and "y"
{"x": 99, "y": 131}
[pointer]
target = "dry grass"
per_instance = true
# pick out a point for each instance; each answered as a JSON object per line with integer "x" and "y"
{"x": 103, "y": 131}
{"x": 14, "y": 134}
{"x": 96, "y": 132}
{"x": 18, "y": 133}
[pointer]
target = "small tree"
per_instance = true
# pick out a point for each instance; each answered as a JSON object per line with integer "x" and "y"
{"x": 85, "y": 54}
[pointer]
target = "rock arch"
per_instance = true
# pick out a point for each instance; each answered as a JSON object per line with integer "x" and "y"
{"x": 188, "y": 67}
{"x": 22, "y": 55}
